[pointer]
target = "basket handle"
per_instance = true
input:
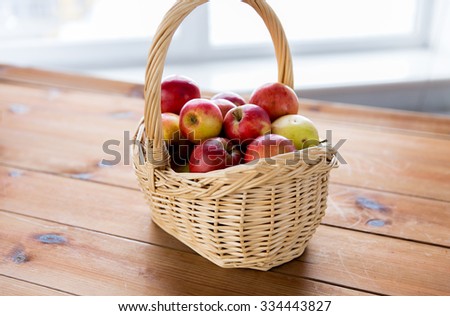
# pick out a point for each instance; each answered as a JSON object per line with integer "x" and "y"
{"x": 157, "y": 56}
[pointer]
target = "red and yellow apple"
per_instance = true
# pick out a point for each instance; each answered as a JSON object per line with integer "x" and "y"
{"x": 268, "y": 146}
{"x": 276, "y": 99}
{"x": 200, "y": 119}
{"x": 176, "y": 90}
{"x": 244, "y": 123}
{"x": 170, "y": 127}
{"x": 214, "y": 154}
{"x": 298, "y": 128}
{"x": 230, "y": 96}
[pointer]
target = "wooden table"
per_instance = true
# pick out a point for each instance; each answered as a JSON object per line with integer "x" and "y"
{"x": 72, "y": 226}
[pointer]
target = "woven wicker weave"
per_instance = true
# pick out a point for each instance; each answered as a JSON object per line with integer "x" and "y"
{"x": 256, "y": 215}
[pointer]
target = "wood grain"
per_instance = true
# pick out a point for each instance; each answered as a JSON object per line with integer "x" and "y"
{"x": 394, "y": 162}
{"x": 88, "y": 263}
{"x": 366, "y": 115}
{"x": 375, "y": 157}
{"x": 389, "y": 214}
{"x": 13, "y": 287}
{"x": 134, "y": 223}
{"x": 104, "y": 208}
{"x": 32, "y": 77}
{"x": 29, "y": 77}
{"x": 127, "y": 213}
{"x": 376, "y": 263}
{"x": 78, "y": 125}
{"x": 69, "y": 224}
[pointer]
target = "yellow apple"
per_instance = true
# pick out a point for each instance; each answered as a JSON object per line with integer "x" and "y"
{"x": 297, "y": 128}
{"x": 170, "y": 127}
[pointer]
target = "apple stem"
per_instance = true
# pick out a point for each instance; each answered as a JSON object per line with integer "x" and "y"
{"x": 237, "y": 115}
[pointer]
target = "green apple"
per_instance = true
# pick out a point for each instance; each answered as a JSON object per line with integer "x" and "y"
{"x": 297, "y": 128}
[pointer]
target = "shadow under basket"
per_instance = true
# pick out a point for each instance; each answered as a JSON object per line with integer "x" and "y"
{"x": 256, "y": 215}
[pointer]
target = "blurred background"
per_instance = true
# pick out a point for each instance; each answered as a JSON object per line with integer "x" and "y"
{"x": 386, "y": 53}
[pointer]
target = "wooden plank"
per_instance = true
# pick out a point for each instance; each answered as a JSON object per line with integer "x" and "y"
{"x": 393, "y": 162}
{"x": 14, "y": 287}
{"x": 346, "y": 257}
{"x": 84, "y": 123}
{"x": 312, "y": 108}
{"x": 27, "y": 76}
{"x": 88, "y": 263}
{"x": 375, "y": 263}
{"x": 104, "y": 208}
{"x": 375, "y": 156}
{"x": 357, "y": 114}
{"x": 123, "y": 212}
{"x": 389, "y": 214}
{"x": 85, "y": 212}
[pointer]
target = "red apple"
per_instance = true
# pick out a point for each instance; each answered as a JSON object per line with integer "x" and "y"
{"x": 267, "y": 146}
{"x": 176, "y": 90}
{"x": 230, "y": 96}
{"x": 214, "y": 154}
{"x": 231, "y": 149}
{"x": 245, "y": 123}
{"x": 276, "y": 98}
{"x": 224, "y": 105}
{"x": 200, "y": 119}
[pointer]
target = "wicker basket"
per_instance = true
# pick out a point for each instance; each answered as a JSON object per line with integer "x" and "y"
{"x": 248, "y": 216}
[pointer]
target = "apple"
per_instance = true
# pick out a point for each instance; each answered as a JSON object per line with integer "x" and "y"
{"x": 179, "y": 154}
{"x": 276, "y": 98}
{"x": 179, "y": 167}
{"x": 200, "y": 119}
{"x": 214, "y": 154}
{"x": 231, "y": 149}
{"x": 245, "y": 123}
{"x": 224, "y": 105}
{"x": 176, "y": 90}
{"x": 178, "y": 146}
{"x": 230, "y": 96}
{"x": 171, "y": 127}
{"x": 267, "y": 146}
{"x": 298, "y": 128}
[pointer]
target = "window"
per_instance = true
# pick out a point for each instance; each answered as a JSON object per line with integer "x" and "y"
{"x": 323, "y": 25}
{"x": 79, "y": 20}
{"x": 68, "y": 34}
{"x": 306, "y": 20}
{"x": 100, "y": 32}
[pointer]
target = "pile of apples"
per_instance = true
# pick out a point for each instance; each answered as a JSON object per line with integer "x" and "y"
{"x": 210, "y": 134}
